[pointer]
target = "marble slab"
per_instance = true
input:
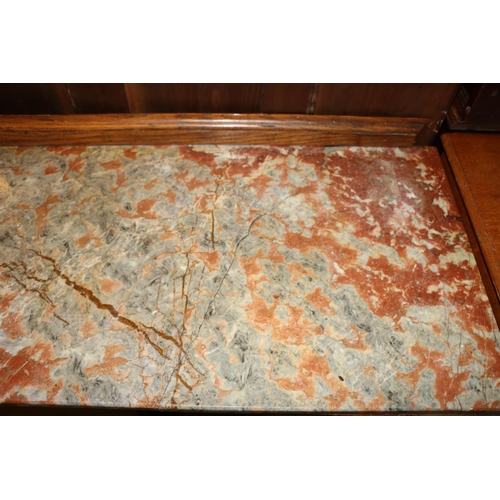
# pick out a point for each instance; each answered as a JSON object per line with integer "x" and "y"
{"x": 245, "y": 278}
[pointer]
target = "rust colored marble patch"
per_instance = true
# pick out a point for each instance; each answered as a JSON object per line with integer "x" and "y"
{"x": 226, "y": 277}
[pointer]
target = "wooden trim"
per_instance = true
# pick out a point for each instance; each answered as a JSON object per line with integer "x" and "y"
{"x": 42, "y": 130}
{"x": 480, "y": 229}
{"x": 461, "y": 107}
{"x": 482, "y": 246}
{"x": 431, "y": 129}
{"x": 476, "y": 248}
{"x": 473, "y": 127}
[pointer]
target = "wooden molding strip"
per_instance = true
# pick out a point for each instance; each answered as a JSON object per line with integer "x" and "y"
{"x": 42, "y": 130}
{"x": 482, "y": 230}
{"x": 484, "y": 271}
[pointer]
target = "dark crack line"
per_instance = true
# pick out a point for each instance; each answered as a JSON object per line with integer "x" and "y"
{"x": 89, "y": 295}
{"x": 41, "y": 293}
{"x": 205, "y": 316}
{"x": 183, "y": 356}
{"x": 185, "y": 296}
{"x": 260, "y": 216}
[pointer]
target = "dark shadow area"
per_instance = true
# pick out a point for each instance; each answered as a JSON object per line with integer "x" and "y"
{"x": 44, "y": 410}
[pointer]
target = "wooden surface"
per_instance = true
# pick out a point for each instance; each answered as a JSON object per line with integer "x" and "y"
{"x": 294, "y": 98}
{"x": 383, "y": 99}
{"x": 208, "y": 129}
{"x": 476, "y": 248}
{"x": 427, "y": 101}
{"x": 475, "y": 162}
{"x": 103, "y": 98}
{"x": 34, "y": 98}
{"x": 476, "y": 107}
{"x": 193, "y": 98}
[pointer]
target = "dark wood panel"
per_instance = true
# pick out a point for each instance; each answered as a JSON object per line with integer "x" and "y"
{"x": 476, "y": 107}
{"x": 34, "y": 98}
{"x": 475, "y": 161}
{"x": 98, "y": 97}
{"x": 430, "y": 101}
{"x": 456, "y": 113}
{"x": 296, "y": 98}
{"x": 383, "y": 99}
{"x": 461, "y": 104}
{"x": 434, "y": 125}
{"x": 193, "y": 97}
{"x": 211, "y": 129}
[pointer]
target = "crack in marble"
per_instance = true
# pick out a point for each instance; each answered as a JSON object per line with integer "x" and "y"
{"x": 41, "y": 294}
{"x": 89, "y": 295}
{"x": 181, "y": 358}
{"x": 330, "y": 302}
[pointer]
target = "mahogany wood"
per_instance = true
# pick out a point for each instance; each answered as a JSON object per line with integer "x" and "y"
{"x": 288, "y": 98}
{"x": 476, "y": 107}
{"x": 34, "y": 98}
{"x": 214, "y": 129}
{"x": 193, "y": 97}
{"x": 475, "y": 162}
{"x": 98, "y": 98}
{"x": 429, "y": 101}
{"x": 476, "y": 249}
{"x": 383, "y": 99}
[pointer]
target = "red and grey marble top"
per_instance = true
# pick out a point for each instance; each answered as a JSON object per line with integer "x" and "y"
{"x": 245, "y": 278}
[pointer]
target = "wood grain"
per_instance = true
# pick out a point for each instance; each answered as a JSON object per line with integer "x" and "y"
{"x": 208, "y": 129}
{"x": 433, "y": 126}
{"x": 93, "y": 98}
{"x": 422, "y": 100}
{"x": 429, "y": 101}
{"x": 475, "y": 162}
{"x": 295, "y": 98}
{"x": 383, "y": 99}
{"x": 476, "y": 248}
{"x": 476, "y": 107}
{"x": 461, "y": 104}
{"x": 193, "y": 97}
{"x": 34, "y": 98}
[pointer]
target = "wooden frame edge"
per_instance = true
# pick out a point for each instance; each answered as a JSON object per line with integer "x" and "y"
{"x": 470, "y": 222}
{"x": 157, "y": 129}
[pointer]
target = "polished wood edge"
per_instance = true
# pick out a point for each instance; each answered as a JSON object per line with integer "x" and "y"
{"x": 470, "y": 219}
{"x": 41, "y": 130}
{"x": 470, "y": 202}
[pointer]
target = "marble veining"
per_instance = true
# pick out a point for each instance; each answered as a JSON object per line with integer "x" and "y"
{"x": 236, "y": 277}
